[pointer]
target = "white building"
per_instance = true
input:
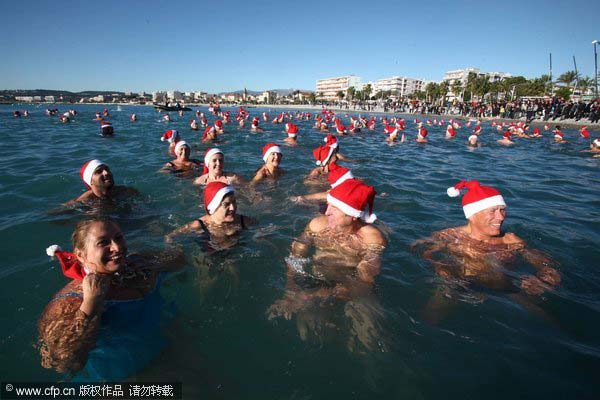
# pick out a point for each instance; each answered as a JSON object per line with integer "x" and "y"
{"x": 158, "y": 97}
{"x": 328, "y": 88}
{"x": 399, "y": 85}
{"x": 462, "y": 75}
{"x": 24, "y": 99}
{"x": 49, "y": 99}
{"x": 174, "y": 95}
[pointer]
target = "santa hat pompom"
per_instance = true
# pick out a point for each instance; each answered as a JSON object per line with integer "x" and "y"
{"x": 453, "y": 192}
{"x": 51, "y": 250}
{"x": 371, "y": 218}
{"x": 162, "y": 139}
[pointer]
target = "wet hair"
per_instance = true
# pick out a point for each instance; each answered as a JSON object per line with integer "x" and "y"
{"x": 82, "y": 229}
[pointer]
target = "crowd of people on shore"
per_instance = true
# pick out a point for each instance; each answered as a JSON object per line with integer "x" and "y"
{"x": 337, "y": 256}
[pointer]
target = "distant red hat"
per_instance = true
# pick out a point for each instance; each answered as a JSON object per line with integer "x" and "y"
{"x": 170, "y": 136}
{"x": 331, "y": 141}
{"x": 422, "y": 133}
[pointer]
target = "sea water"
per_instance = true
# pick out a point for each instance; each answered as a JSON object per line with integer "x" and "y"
{"x": 220, "y": 342}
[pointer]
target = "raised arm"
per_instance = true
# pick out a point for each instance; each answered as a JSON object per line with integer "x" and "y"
{"x": 187, "y": 228}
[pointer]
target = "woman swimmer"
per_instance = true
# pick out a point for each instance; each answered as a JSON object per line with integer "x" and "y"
{"x": 183, "y": 163}
{"x": 214, "y": 162}
{"x": 110, "y": 293}
{"x": 272, "y": 158}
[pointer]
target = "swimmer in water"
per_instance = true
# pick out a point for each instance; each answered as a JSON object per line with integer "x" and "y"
{"x": 344, "y": 265}
{"x": 133, "y": 118}
{"x": 183, "y": 163}
{"x": 106, "y": 129}
{"x": 254, "y": 127}
{"x": 98, "y": 178}
{"x": 559, "y": 137}
{"x": 479, "y": 252}
{"x": 292, "y": 134}
{"x": 193, "y": 125}
{"x": 324, "y": 155}
{"x": 172, "y": 137}
{"x": 271, "y": 169}
{"x": 472, "y": 141}
{"x": 214, "y": 164}
{"x": 505, "y": 139}
{"x": 104, "y": 278}
{"x": 221, "y": 220}
{"x": 421, "y": 136}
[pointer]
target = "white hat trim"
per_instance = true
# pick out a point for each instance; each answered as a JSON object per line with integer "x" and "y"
{"x": 216, "y": 200}
{"x": 474, "y": 208}
{"x": 209, "y": 155}
{"x": 341, "y": 179}
{"x": 89, "y": 170}
{"x": 351, "y": 211}
{"x": 273, "y": 149}
{"x": 324, "y": 162}
{"x": 180, "y": 144}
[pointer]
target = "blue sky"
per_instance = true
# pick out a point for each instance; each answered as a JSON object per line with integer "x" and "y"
{"x": 228, "y": 45}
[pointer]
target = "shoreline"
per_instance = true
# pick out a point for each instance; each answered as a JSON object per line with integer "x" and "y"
{"x": 568, "y": 123}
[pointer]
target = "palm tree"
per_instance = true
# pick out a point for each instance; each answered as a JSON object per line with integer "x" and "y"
{"x": 351, "y": 92}
{"x": 585, "y": 83}
{"x": 456, "y": 88}
{"x": 367, "y": 90}
{"x": 340, "y": 95}
{"x": 312, "y": 98}
{"x": 568, "y": 78}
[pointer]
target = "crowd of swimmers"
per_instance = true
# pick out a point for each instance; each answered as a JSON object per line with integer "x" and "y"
{"x": 344, "y": 238}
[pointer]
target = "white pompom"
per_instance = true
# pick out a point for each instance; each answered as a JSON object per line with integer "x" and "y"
{"x": 453, "y": 192}
{"x": 371, "y": 218}
{"x": 319, "y": 163}
{"x": 162, "y": 139}
{"x": 51, "y": 250}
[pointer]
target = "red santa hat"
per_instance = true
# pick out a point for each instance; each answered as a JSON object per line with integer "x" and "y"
{"x": 331, "y": 141}
{"x": 207, "y": 156}
{"x": 584, "y": 132}
{"x": 338, "y": 174}
{"x": 477, "y": 198}
{"x": 213, "y": 195}
{"x": 323, "y": 154}
{"x": 536, "y": 131}
{"x": 87, "y": 170}
{"x": 179, "y": 145}
{"x": 268, "y": 149}
{"x": 71, "y": 267}
{"x": 104, "y": 124}
{"x": 477, "y": 129}
{"x": 506, "y": 135}
{"x": 596, "y": 142}
{"x": 219, "y": 124}
{"x": 292, "y": 129}
{"x": 422, "y": 133}
{"x": 170, "y": 136}
{"x": 450, "y": 131}
{"x": 352, "y": 197}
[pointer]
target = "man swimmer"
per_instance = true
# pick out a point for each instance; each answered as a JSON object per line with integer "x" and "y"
{"x": 292, "y": 134}
{"x": 346, "y": 260}
{"x": 506, "y": 139}
{"x": 271, "y": 169}
{"x": 480, "y": 250}
{"x": 422, "y": 135}
{"x": 100, "y": 183}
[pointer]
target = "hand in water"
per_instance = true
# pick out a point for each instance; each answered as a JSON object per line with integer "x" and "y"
{"x": 94, "y": 289}
{"x": 287, "y": 306}
{"x": 549, "y": 275}
{"x": 532, "y": 285}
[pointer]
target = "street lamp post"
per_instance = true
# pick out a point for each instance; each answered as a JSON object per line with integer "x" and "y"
{"x": 595, "y": 42}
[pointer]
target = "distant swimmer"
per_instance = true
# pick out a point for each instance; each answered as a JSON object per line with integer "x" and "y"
{"x": 106, "y": 321}
{"x": 536, "y": 133}
{"x": 105, "y": 112}
{"x": 64, "y": 119}
{"x": 183, "y": 164}
{"x": 193, "y": 125}
{"x": 506, "y": 139}
{"x": 584, "y": 132}
{"x": 254, "y": 126}
{"x": 347, "y": 258}
{"x": 271, "y": 169}
{"x": 166, "y": 118}
{"x": 221, "y": 221}
{"x": 133, "y": 117}
{"x": 450, "y": 132}
{"x": 106, "y": 129}
{"x": 473, "y": 141}
{"x": 98, "y": 178}
{"x": 559, "y": 137}
{"x": 172, "y": 137}
{"x": 214, "y": 164}
{"x": 422, "y": 135}
{"x": 479, "y": 252}
{"x": 209, "y": 134}
{"x": 98, "y": 116}
{"x": 292, "y": 134}
{"x": 324, "y": 155}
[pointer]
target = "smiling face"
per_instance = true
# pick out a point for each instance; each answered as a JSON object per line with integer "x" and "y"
{"x": 102, "y": 178}
{"x": 215, "y": 164}
{"x": 488, "y": 223}
{"x": 184, "y": 152}
{"x": 104, "y": 248}
{"x": 274, "y": 159}
{"x": 226, "y": 210}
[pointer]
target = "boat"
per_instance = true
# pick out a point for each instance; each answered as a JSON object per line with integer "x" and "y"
{"x": 171, "y": 108}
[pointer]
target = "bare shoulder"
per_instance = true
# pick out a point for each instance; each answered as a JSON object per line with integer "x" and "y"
{"x": 511, "y": 238}
{"x": 85, "y": 196}
{"x": 201, "y": 180}
{"x": 317, "y": 224}
{"x": 372, "y": 236}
